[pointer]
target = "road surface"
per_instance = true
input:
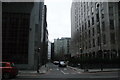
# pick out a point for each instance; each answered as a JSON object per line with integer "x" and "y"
{"x": 66, "y": 73}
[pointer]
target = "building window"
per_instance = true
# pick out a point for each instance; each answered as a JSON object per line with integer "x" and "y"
{"x": 103, "y": 26}
{"x": 83, "y": 46}
{"x": 119, "y": 22}
{"x": 84, "y": 9}
{"x": 104, "y": 39}
{"x": 102, "y": 4}
{"x": 92, "y": 20}
{"x": 81, "y": 11}
{"x": 102, "y": 16}
{"x": 88, "y": 23}
{"x": 111, "y": 10}
{"x": 111, "y": 24}
{"x": 98, "y": 41}
{"x": 112, "y": 38}
{"x": 102, "y": 13}
{"x": 98, "y": 28}
{"x": 91, "y": 3}
{"x": 93, "y": 42}
{"x": 86, "y": 34}
{"x": 85, "y": 26}
{"x": 93, "y": 31}
{"x": 86, "y": 44}
{"x": 82, "y": 28}
{"x": 77, "y": 29}
{"x": 88, "y": 3}
{"x": 92, "y": 10}
{"x": 97, "y": 5}
{"x": 80, "y": 37}
{"x": 89, "y": 44}
{"x": 36, "y": 28}
{"x": 97, "y": 17}
{"x": 118, "y": 5}
{"x": 89, "y": 33}
{"x": 89, "y": 13}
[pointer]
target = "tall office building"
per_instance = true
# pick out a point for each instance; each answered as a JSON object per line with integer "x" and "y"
{"x": 22, "y": 27}
{"x": 61, "y": 48}
{"x": 95, "y": 26}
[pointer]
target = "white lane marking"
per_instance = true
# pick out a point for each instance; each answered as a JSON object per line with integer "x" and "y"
{"x": 65, "y": 68}
{"x": 57, "y": 69}
{"x": 64, "y": 72}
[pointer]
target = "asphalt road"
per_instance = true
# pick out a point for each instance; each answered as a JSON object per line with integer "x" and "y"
{"x": 66, "y": 73}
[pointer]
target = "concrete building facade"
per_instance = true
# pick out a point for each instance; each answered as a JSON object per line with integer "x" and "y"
{"x": 44, "y": 39}
{"x": 61, "y": 47}
{"x": 95, "y": 26}
{"x": 22, "y": 25}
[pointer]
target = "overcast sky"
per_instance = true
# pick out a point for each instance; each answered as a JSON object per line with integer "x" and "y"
{"x": 58, "y": 18}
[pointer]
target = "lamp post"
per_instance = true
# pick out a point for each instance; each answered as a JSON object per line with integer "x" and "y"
{"x": 38, "y": 65}
{"x": 80, "y": 50}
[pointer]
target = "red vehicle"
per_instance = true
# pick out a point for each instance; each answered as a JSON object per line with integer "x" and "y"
{"x": 8, "y": 70}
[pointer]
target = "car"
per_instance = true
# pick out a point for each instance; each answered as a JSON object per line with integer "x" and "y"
{"x": 8, "y": 70}
{"x": 56, "y": 62}
{"x": 62, "y": 64}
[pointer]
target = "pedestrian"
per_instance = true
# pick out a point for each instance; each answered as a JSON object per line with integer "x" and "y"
{"x": 101, "y": 67}
{"x": 38, "y": 68}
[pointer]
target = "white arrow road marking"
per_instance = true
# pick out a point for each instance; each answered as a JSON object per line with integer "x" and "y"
{"x": 64, "y": 72}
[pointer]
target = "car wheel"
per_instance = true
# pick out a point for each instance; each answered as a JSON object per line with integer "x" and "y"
{"x": 6, "y": 75}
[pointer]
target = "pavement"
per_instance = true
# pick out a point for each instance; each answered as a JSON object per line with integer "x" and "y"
{"x": 95, "y": 70}
{"x": 42, "y": 70}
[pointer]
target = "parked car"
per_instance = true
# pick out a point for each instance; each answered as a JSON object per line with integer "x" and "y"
{"x": 62, "y": 64}
{"x": 8, "y": 70}
{"x": 56, "y": 62}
